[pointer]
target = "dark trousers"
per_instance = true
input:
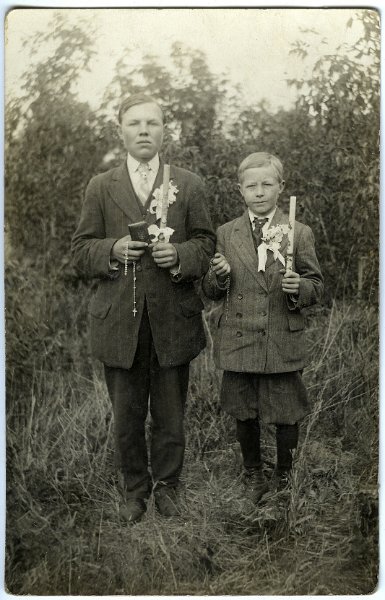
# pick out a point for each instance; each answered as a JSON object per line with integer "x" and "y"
{"x": 248, "y": 435}
{"x": 132, "y": 392}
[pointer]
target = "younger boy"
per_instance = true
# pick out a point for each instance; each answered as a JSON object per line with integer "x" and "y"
{"x": 261, "y": 344}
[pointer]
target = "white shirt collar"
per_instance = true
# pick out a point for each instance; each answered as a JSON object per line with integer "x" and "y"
{"x": 269, "y": 216}
{"x": 133, "y": 164}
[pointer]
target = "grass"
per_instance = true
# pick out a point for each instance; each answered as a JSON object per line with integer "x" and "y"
{"x": 64, "y": 535}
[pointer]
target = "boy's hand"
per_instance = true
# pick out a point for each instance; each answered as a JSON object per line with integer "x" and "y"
{"x": 164, "y": 254}
{"x": 125, "y": 248}
{"x": 290, "y": 282}
{"x": 220, "y": 265}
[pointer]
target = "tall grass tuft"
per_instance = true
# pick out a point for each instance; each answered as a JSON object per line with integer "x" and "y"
{"x": 64, "y": 535}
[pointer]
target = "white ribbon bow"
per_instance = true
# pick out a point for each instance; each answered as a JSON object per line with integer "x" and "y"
{"x": 262, "y": 254}
{"x": 156, "y": 232}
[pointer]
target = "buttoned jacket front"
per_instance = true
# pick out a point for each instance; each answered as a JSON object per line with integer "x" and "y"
{"x": 262, "y": 329}
{"x": 174, "y": 308}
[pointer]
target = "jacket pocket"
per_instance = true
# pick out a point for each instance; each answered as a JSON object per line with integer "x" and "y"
{"x": 296, "y": 321}
{"x": 99, "y": 309}
{"x": 191, "y": 306}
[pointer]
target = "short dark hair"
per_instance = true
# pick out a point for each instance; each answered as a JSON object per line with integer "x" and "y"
{"x": 137, "y": 99}
{"x": 261, "y": 159}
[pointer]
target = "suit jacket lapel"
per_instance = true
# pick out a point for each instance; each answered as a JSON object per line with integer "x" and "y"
{"x": 280, "y": 218}
{"x": 122, "y": 193}
{"x": 242, "y": 241}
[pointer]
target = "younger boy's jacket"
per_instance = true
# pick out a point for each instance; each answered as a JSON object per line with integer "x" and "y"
{"x": 264, "y": 328}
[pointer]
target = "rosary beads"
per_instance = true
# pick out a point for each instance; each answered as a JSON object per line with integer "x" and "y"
{"x": 134, "y": 309}
{"x": 227, "y": 287}
{"x": 126, "y": 259}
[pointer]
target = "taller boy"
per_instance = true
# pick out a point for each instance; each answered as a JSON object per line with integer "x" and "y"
{"x": 145, "y": 354}
{"x": 261, "y": 344}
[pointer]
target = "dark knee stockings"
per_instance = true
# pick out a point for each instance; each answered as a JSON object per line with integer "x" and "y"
{"x": 287, "y": 440}
{"x": 248, "y": 436}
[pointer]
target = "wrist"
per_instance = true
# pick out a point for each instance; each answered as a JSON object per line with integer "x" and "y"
{"x": 176, "y": 258}
{"x": 222, "y": 277}
{"x": 223, "y": 281}
{"x": 176, "y": 272}
{"x": 112, "y": 252}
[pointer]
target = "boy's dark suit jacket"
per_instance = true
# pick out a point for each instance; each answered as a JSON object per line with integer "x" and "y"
{"x": 174, "y": 308}
{"x": 264, "y": 330}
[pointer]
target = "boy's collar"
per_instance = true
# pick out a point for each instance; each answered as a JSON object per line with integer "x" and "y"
{"x": 269, "y": 216}
{"x": 132, "y": 163}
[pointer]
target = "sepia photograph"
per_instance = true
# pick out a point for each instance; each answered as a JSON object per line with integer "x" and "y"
{"x": 191, "y": 248}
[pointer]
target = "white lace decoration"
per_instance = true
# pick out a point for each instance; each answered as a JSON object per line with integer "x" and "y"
{"x": 271, "y": 240}
{"x": 156, "y": 203}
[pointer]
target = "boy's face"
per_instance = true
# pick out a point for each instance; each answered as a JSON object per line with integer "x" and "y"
{"x": 260, "y": 189}
{"x": 142, "y": 130}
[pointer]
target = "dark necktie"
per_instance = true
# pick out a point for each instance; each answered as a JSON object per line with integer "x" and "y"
{"x": 257, "y": 232}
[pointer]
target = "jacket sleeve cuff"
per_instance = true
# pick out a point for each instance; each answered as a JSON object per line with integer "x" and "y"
{"x": 212, "y": 288}
{"x": 103, "y": 263}
{"x": 304, "y": 297}
{"x": 176, "y": 273}
{"x": 221, "y": 281}
{"x": 184, "y": 258}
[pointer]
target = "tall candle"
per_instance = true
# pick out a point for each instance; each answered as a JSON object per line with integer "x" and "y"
{"x": 290, "y": 246}
{"x": 166, "y": 180}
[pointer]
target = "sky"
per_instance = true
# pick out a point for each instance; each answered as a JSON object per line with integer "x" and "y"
{"x": 250, "y": 45}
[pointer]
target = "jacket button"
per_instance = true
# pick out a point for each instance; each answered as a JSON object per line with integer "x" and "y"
{"x": 240, "y": 296}
{"x": 138, "y": 267}
{"x": 239, "y": 333}
{"x": 239, "y": 315}
{"x": 262, "y": 332}
{"x": 263, "y": 313}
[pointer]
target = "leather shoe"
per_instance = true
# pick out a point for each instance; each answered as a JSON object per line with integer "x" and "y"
{"x": 166, "y": 501}
{"x": 132, "y": 510}
{"x": 255, "y": 484}
{"x": 280, "y": 480}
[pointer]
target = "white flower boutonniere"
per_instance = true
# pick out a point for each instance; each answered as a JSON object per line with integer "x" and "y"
{"x": 271, "y": 240}
{"x": 160, "y": 235}
{"x": 156, "y": 203}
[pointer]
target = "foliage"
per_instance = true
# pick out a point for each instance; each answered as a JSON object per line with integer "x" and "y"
{"x": 342, "y": 102}
{"x": 192, "y": 97}
{"x": 46, "y": 321}
{"x": 328, "y": 142}
{"x": 329, "y": 145}
{"x": 52, "y": 146}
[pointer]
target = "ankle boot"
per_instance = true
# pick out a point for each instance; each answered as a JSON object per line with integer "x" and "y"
{"x": 255, "y": 484}
{"x": 280, "y": 479}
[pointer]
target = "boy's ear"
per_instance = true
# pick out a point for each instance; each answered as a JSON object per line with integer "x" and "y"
{"x": 239, "y": 188}
{"x": 281, "y": 186}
